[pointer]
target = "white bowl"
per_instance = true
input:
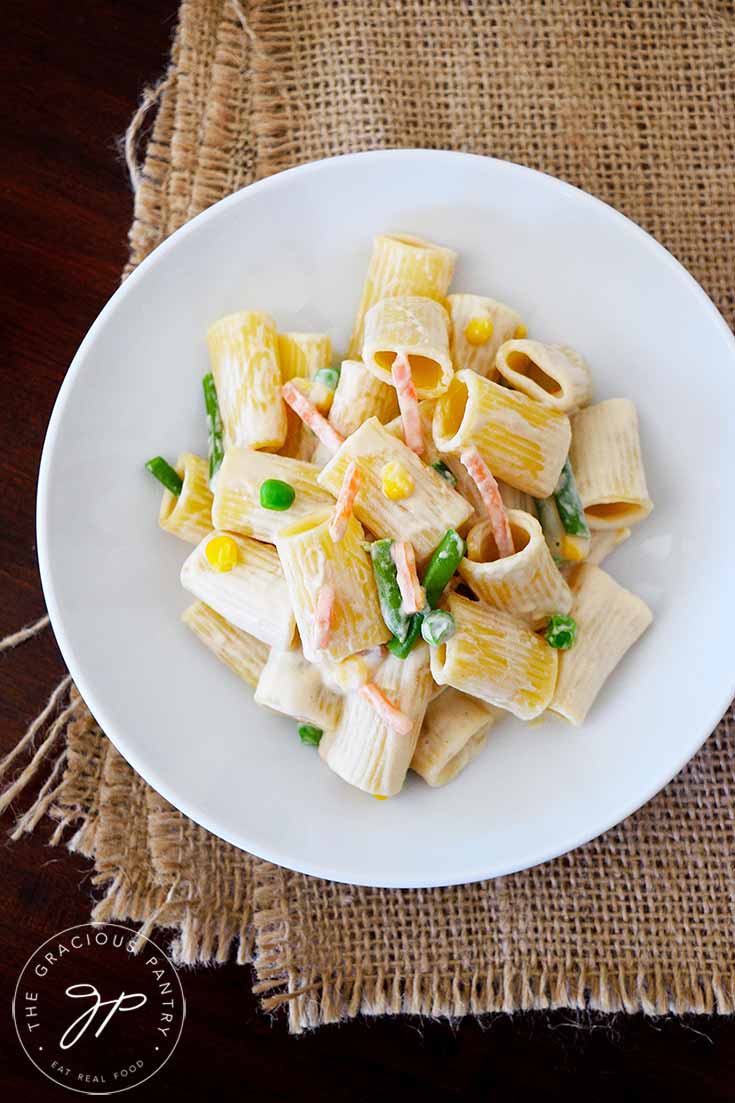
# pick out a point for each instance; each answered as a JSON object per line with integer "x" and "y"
{"x": 297, "y": 245}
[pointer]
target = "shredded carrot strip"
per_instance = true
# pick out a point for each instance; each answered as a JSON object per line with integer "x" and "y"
{"x": 408, "y": 403}
{"x": 412, "y": 592}
{"x": 387, "y": 711}
{"x": 323, "y": 610}
{"x": 311, "y": 417}
{"x": 483, "y": 479}
{"x": 345, "y": 502}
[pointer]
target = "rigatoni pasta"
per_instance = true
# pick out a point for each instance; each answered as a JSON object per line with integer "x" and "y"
{"x": 243, "y": 653}
{"x": 607, "y": 461}
{"x": 311, "y": 561}
{"x": 555, "y": 375}
{"x": 237, "y": 505}
{"x": 290, "y": 684}
{"x": 454, "y": 731}
{"x": 360, "y": 395}
{"x": 479, "y": 327}
{"x": 402, "y": 265}
{"x": 524, "y": 443}
{"x": 241, "y": 579}
{"x": 301, "y": 356}
{"x": 495, "y": 657}
{"x": 364, "y": 749}
{"x": 421, "y": 515}
{"x": 244, "y": 354}
{"x": 417, "y": 328}
{"x": 188, "y": 514}
{"x": 400, "y": 551}
{"x": 527, "y": 584}
{"x": 609, "y": 621}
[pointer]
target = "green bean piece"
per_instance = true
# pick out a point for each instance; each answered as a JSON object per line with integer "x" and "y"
{"x": 310, "y": 734}
{"x": 214, "y": 426}
{"x": 561, "y": 632}
{"x": 446, "y": 473}
{"x": 329, "y": 377}
{"x": 165, "y": 474}
{"x": 389, "y": 595}
{"x": 442, "y": 565}
{"x": 438, "y": 627}
{"x": 402, "y": 650}
{"x": 553, "y": 530}
{"x": 276, "y": 494}
{"x": 569, "y": 504}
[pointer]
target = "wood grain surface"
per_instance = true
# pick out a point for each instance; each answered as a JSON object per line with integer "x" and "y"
{"x": 71, "y": 73}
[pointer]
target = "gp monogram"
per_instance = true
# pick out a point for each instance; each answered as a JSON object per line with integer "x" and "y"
{"x": 95, "y": 1016}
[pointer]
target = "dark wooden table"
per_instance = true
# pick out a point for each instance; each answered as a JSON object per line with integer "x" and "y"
{"x": 71, "y": 74}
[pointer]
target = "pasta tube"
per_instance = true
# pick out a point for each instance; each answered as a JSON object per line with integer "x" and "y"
{"x": 244, "y": 355}
{"x": 402, "y": 265}
{"x": 454, "y": 731}
{"x": 607, "y": 462}
{"x": 416, "y": 327}
{"x": 426, "y": 511}
{"x": 246, "y": 587}
{"x": 239, "y": 650}
{"x": 522, "y": 442}
{"x": 312, "y": 562}
{"x": 479, "y": 328}
{"x": 609, "y": 621}
{"x": 301, "y": 356}
{"x": 238, "y": 503}
{"x": 360, "y": 395}
{"x": 554, "y": 375}
{"x": 516, "y": 499}
{"x": 527, "y": 584}
{"x": 364, "y": 750}
{"x": 496, "y": 658}
{"x": 292, "y": 685}
{"x": 188, "y": 515}
{"x": 603, "y": 542}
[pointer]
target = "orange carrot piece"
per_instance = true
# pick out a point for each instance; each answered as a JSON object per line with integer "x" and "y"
{"x": 408, "y": 403}
{"x": 311, "y": 417}
{"x": 345, "y": 502}
{"x": 385, "y": 709}
{"x": 323, "y": 610}
{"x": 483, "y": 479}
{"x": 413, "y": 597}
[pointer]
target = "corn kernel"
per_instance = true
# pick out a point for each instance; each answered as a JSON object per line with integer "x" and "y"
{"x": 377, "y": 797}
{"x": 396, "y": 481}
{"x": 222, "y": 553}
{"x": 478, "y": 331}
{"x": 520, "y": 332}
{"x": 574, "y": 548}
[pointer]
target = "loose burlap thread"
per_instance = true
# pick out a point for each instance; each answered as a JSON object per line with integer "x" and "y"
{"x": 631, "y": 101}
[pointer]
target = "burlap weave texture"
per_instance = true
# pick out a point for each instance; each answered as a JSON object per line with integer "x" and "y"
{"x": 632, "y": 101}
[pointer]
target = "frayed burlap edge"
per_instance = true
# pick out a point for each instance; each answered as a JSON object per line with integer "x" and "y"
{"x": 314, "y": 1000}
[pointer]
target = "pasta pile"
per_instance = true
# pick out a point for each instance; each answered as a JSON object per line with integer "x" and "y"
{"x": 397, "y": 550}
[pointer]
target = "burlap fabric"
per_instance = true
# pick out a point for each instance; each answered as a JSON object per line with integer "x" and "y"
{"x": 632, "y": 101}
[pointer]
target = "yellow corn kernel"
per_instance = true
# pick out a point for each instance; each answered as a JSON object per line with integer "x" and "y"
{"x": 478, "y": 331}
{"x": 222, "y": 553}
{"x": 397, "y": 483}
{"x": 377, "y": 797}
{"x": 574, "y": 548}
{"x": 520, "y": 332}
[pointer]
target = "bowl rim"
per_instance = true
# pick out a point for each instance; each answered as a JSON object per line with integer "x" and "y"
{"x": 477, "y": 871}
